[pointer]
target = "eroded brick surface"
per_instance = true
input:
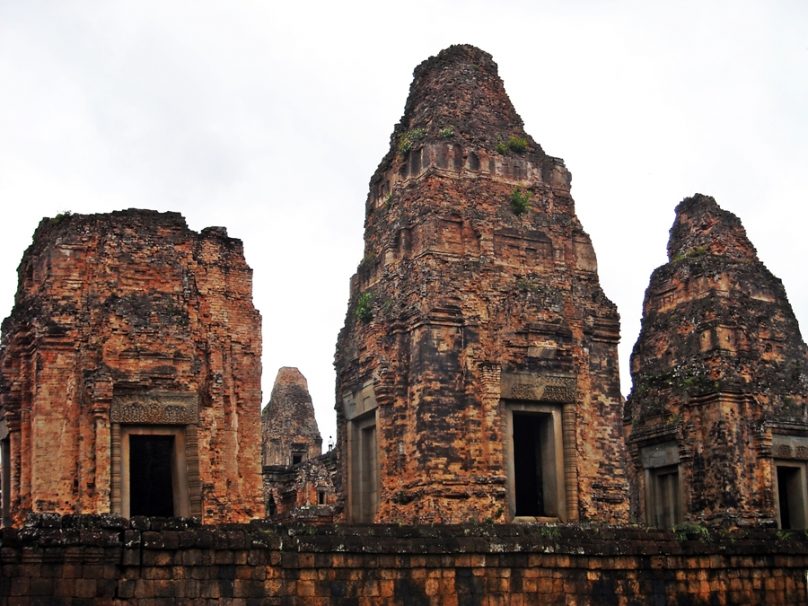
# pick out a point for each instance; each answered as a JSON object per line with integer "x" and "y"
{"x": 720, "y": 370}
{"x": 128, "y": 320}
{"x": 299, "y": 482}
{"x": 112, "y": 561}
{"x": 478, "y": 290}
{"x": 289, "y": 432}
{"x": 304, "y": 492}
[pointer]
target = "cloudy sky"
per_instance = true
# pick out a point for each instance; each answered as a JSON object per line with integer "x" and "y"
{"x": 270, "y": 117}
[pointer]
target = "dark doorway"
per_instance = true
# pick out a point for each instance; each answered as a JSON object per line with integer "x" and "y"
{"x": 364, "y": 475}
{"x": 790, "y": 497}
{"x": 368, "y": 481}
{"x": 5, "y": 482}
{"x": 150, "y": 475}
{"x": 665, "y": 496}
{"x": 534, "y": 464}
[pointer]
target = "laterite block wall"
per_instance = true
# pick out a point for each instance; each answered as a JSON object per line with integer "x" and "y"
{"x": 106, "y": 560}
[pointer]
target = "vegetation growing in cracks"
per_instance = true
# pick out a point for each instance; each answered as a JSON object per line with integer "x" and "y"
{"x": 409, "y": 138}
{"x": 688, "y": 531}
{"x": 61, "y": 217}
{"x": 514, "y": 143}
{"x": 696, "y": 251}
{"x": 520, "y": 201}
{"x": 364, "y": 307}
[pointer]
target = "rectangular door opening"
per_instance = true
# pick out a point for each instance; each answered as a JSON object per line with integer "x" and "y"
{"x": 151, "y": 482}
{"x": 364, "y": 475}
{"x": 5, "y": 481}
{"x": 790, "y": 497}
{"x": 665, "y": 496}
{"x": 368, "y": 481}
{"x": 534, "y": 454}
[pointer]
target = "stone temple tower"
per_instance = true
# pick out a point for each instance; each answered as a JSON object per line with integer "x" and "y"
{"x": 477, "y": 374}
{"x": 717, "y": 419}
{"x": 289, "y": 432}
{"x": 130, "y": 372}
{"x": 298, "y": 479}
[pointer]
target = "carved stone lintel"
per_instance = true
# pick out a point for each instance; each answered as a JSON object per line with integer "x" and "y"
{"x": 540, "y": 388}
{"x": 790, "y": 447}
{"x": 155, "y": 408}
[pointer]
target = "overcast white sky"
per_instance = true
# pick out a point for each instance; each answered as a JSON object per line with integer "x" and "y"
{"x": 270, "y": 117}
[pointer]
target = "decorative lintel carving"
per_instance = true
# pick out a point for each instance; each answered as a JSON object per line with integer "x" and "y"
{"x": 155, "y": 408}
{"x": 536, "y": 387}
{"x": 790, "y": 447}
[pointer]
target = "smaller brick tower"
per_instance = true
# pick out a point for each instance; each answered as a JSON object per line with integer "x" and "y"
{"x": 289, "y": 432}
{"x": 717, "y": 419}
{"x": 298, "y": 479}
{"x": 131, "y": 372}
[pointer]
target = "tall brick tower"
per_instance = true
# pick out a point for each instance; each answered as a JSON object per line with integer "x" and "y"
{"x": 477, "y": 373}
{"x": 717, "y": 419}
{"x": 130, "y": 372}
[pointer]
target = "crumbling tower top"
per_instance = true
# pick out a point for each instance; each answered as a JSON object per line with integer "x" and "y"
{"x": 289, "y": 428}
{"x": 704, "y": 227}
{"x": 461, "y": 87}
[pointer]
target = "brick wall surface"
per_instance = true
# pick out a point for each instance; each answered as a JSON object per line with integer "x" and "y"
{"x": 466, "y": 305}
{"x": 131, "y": 320}
{"x": 719, "y": 372}
{"x": 108, "y": 560}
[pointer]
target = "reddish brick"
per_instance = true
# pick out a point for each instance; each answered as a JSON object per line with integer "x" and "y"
{"x": 93, "y": 290}
{"x": 717, "y": 333}
{"x": 467, "y": 297}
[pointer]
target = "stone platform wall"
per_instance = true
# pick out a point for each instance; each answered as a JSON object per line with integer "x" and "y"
{"x": 103, "y": 560}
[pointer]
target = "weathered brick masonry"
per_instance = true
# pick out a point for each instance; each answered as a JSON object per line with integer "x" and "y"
{"x": 477, "y": 382}
{"x": 289, "y": 432}
{"x": 477, "y": 331}
{"x": 717, "y": 422}
{"x": 79, "y": 560}
{"x": 299, "y": 482}
{"x": 129, "y": 329}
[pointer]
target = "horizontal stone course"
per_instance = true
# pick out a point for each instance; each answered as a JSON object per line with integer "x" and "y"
{"x": 474, "y": 564}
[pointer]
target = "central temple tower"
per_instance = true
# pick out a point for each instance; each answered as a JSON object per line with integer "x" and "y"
{"x": 477, "y": 374}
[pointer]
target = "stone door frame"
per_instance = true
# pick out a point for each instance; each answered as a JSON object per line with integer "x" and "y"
{"x": 157, "y": 413}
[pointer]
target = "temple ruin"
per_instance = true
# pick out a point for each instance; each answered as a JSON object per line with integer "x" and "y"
{"x": 289, "y": 432}
{"x": 131, "y": 370}
{"x": 477, "y": 382}
{"x": 298, "y": 478}
{"x": 716, "y": 422}
{"x": 477, "y": 374}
